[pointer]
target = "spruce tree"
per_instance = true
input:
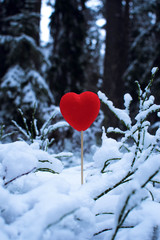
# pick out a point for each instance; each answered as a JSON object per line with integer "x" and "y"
{"x": 144, "y": 44}
{"x": 68, "y": 59}
{"x": 21, "y": 76}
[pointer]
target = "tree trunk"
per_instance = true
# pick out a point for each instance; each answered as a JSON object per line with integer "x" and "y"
{"x": 116, "y": 55}
{"x": 113, "y": 84}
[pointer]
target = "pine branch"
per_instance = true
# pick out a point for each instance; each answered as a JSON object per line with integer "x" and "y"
{"x": 61, "y": 218}
{"x": 47, "y": 122}
{"x": 21, "y": 130}
{"x": 123, "y": 180}
{"x": 104, "y": 213}
{"x": 110, "y": 229}
{"x": 46, "y": 170}
{"x": 123, "y": 215}
{"x": 25, "y": 122}
{"x": 107, "y": 162}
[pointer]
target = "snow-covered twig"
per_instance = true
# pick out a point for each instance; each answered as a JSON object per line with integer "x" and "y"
{"x": 23, "y": 174}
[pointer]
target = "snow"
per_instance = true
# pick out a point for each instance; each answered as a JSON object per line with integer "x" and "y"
{"x": 154, "y": 70}
{"x": 127, "y": 101}
{"x": 108, "y": 150}
{"x": 39, "y": 81}
{"x": 29, "y": 95}
{"x": 13, "y": 77}
{"x": 119, "y": 200}
{"x": 119, "y": 112}
{"x": 101, "y": 22}
{"x": 40, "y": 199}
{"x": 56, "y": 126}
{"x": 94, "y": 4}
{"x": 19, "y": 158}
{"x": 49, "y": 207}
{"x": 145, "y": 113}
{"x": 57, "y": 205}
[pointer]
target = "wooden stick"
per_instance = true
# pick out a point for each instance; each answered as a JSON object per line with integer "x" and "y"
{"x": 81, "y": 157}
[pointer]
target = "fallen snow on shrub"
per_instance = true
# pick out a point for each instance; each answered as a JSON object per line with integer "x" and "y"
{"x": 119, "y": 200}
{"x": 19, "y": 158}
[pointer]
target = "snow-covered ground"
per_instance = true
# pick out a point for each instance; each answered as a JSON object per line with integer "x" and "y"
{"x": 120, "y": 197}
{"x": 46, "y": 206}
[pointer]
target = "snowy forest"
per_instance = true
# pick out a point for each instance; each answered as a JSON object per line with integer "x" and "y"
{"x": 111, "y": 48}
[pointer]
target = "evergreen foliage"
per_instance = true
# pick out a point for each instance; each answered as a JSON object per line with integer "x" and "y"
{"x": 144, "y": 44}
{"x": 68, "y": 29}
{"x": 75, "y": 53}
{"x": 32, "y": 133}
{"x": 21, "y": 77}
{"x": 93, "y": 46}
{"x": 119, "y": 199}
{"x": 137, "y": 153}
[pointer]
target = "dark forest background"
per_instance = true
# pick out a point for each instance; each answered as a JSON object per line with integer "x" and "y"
{"x": 73, "y": 60}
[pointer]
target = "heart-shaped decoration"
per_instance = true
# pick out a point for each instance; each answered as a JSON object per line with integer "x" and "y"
{"x": 80, "y": 110}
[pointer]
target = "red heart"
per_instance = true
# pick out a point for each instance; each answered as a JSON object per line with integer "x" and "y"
{"x": 80, "y": 110}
